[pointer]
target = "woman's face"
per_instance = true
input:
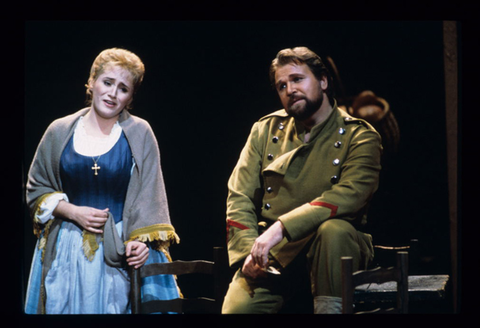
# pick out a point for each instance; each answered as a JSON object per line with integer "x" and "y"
{"x": 112, "y": 91}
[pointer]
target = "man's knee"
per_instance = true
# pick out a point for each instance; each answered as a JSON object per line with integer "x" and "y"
{"x": 236, "y": 304}
{"x": 335, "y": 238}
{"x": 335, "y": 230}
{"x": 243, "y": 297}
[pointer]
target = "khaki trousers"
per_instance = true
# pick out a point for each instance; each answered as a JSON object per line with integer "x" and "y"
{"x": 320, "y": 263}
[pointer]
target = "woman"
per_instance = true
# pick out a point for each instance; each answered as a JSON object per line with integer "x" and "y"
{"x": 97, "y": 198}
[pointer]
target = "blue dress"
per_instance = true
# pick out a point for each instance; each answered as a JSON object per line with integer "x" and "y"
{"x": 74, "y": 284}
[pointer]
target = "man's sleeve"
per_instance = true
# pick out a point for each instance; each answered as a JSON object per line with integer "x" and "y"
{"x": 244, "y": 199}
{"x": 358, "y": 181}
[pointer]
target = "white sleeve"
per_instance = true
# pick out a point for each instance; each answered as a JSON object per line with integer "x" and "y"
{"x": 45, "y": 211}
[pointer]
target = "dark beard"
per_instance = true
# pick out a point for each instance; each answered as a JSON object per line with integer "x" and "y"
{"x": 310, "y": 108}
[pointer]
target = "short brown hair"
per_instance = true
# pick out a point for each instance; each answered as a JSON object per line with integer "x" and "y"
{"x": 302, "y": 55}
{"x": 116, "y": 57}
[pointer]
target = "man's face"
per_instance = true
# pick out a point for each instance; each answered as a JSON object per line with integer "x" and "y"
{"x": 300, "y": 92}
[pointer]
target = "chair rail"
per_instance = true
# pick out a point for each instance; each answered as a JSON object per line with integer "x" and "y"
{"x": 174, "y": 267}
{"x": 180, "y": 305}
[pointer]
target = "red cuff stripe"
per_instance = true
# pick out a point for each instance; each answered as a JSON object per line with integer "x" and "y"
{"x": 332, "y": 208}
{"x": 236, "y": 225}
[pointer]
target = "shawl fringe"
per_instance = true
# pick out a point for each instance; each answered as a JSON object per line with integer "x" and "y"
{"x": 90, "y": 244}
{"x": 161, "y": 236}
{"x": 43, "y": 238}
{"x": 37, "y": 226}
{"x": 159, "y": 239}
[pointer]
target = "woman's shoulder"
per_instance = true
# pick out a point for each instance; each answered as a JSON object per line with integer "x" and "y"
{"x": 66, "y": 122}
{"x": 136, "y": 129}
{"x": 128, "y": 120}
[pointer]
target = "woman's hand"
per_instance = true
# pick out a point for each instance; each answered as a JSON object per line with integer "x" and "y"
{"x": 88, "y": 218}
{"x": 137, "y": 253}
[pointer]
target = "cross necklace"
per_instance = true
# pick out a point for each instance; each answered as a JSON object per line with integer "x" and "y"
{"x": 96, "y": 167}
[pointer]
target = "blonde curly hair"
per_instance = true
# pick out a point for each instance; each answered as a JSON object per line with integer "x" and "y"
{"x": 115, "y": 57}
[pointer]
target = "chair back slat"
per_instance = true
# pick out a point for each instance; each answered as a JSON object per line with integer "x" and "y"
{"x": 177, "y": 268}
{"x": 377, "y": 275}
{"x": 380, "y": 311}
{"x": 399, "y": 274}
{"x": 179, "y": 305}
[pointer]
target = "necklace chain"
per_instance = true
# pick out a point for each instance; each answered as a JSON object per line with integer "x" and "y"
{"x": 96, "y": 167}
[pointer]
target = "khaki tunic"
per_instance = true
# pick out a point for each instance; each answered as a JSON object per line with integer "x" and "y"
{"x": 280, "y": 177}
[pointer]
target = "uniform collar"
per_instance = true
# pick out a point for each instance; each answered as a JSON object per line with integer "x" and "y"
{"x": 315, "y": 131}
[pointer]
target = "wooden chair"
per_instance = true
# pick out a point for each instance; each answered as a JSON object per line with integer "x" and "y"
{"x": 179, "y": 305}
{"x": 385, "y": 256}
{"x": 379, "y": 275}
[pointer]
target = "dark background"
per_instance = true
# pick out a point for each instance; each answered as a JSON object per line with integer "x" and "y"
{"x": 206, "y": 83}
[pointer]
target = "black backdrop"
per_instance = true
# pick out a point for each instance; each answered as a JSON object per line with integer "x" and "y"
{"x": 207, "y": 82}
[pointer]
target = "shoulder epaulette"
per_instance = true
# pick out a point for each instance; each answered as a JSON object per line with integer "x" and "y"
{"x": 354, "y": 120}
{"x": 278, "y": 113}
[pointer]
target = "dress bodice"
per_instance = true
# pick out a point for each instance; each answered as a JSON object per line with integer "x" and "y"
{"x": 106, "y": 189}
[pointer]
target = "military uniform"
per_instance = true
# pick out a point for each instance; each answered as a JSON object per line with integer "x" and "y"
{"x": 331, "y": 177}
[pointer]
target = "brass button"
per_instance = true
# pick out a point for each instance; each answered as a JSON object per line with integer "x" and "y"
{"x": 341, "y": 131}
{"x": 267, "y": 206}
{"x": 275, "y": 139}
{"x": 269, "y": 189}
{"x": 281, "y": 126}
{"x": 270, "y": 156}
{"x": 336, "y": 161}
{"x": 338, "y": 144}
{"x": 334, "y": 179}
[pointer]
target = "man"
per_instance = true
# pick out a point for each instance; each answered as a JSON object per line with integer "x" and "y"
{"x": 306, "y": 173}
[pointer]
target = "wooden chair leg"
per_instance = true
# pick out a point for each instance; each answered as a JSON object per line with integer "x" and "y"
{"x": 402, "y": 297}
{"x": 347, "y": 290}
{"x": 135, "y": 290}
